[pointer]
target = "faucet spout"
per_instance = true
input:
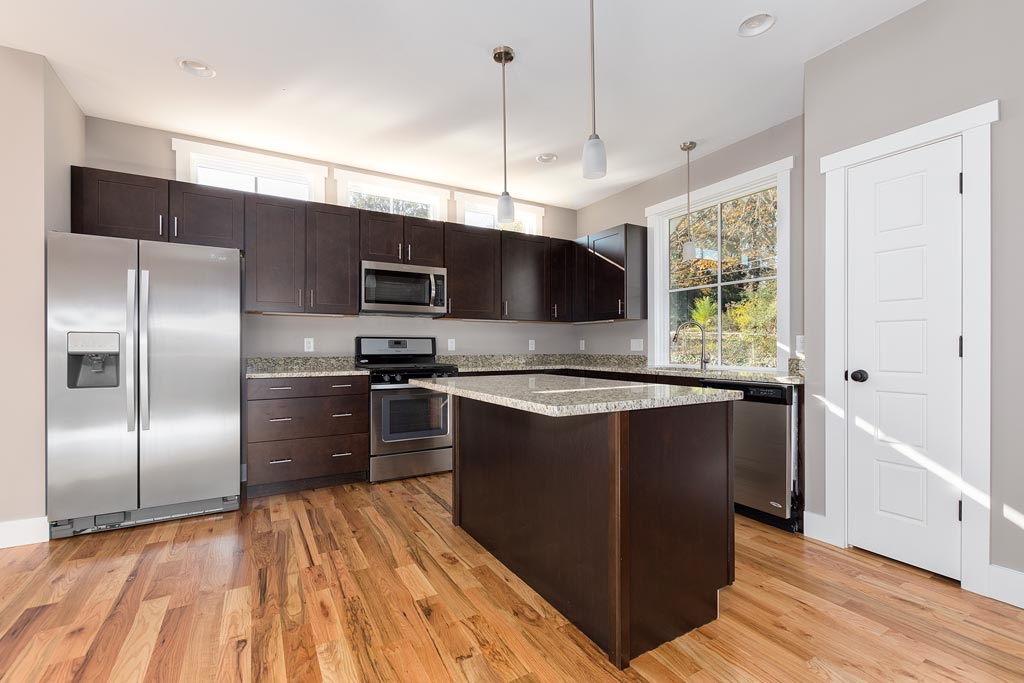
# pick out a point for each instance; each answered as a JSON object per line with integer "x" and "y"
{"x": 704, "y": 357}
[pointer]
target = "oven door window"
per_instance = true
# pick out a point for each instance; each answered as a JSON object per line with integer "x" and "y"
{"x": 395, "y": 287}
{"x": 418, "y": 416}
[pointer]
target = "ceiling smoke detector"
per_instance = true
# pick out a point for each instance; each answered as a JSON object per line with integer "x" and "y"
{"x": 547, "y": 158}
{"x": 196, "y": 67}
{"x": 756, "y": 25}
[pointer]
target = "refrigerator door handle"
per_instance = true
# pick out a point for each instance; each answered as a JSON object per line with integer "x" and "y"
{"x": 129, "y": 351}
{"x": 144, "y": 349}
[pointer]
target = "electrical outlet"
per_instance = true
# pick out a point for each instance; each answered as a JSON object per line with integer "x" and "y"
{"x": 307, "y": 345}
{"x": 583, "y": 344}
{"x": 636, "y": 344}
{"x": 533, "y": 345}
{"x": 800, "y": 345}
{"x": 451, "y": 344}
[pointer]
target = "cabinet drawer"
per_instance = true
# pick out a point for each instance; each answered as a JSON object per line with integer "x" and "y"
{"x": 275, "y": 461}
{"x": 301, "y": 387}
{"x": 297, "y": 418}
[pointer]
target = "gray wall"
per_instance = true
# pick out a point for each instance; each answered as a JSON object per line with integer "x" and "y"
{"x": 939, "y": 58}
{"x": 64, "y": 146}
{"x": 628, "y": 206}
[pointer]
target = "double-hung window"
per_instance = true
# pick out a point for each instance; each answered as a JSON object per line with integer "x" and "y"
{"x": 724, "y": 266}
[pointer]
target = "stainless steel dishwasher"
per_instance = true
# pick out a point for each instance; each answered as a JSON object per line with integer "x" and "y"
{"x": 765, "y": 447}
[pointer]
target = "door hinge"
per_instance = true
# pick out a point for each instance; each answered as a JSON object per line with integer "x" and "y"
{"x": 961, "y": 346}
{"x": 846, "y": 375}
{"x": 961, "y": 183}
{"x": 960, "y": 510}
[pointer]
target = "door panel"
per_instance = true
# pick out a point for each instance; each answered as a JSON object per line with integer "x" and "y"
{"x": 118, "y": 204}
{"x": 275, "y": 255}
{"x": 473, "y": 259}
{"x": 905, "y": 290}
{"x": 332, "y": 259}
{"x": 608, "y": 274}
{"x": 381, "y": 237}
{"x": 191, "y": 342}
{"x": 92, "y": 462}
{"x": 524, "y": 276}
{"x": 562, "y": 271}
{"x": 210, "y": 216}
{"x": 424, "y": 242}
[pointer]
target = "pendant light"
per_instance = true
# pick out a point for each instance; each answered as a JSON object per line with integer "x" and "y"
{"x": 689, "y": 246}
{"x": 595, "y": 158}
{"x": 504, "y": 55}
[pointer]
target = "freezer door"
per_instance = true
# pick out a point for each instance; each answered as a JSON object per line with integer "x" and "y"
{"x": 189, "y": 373}
{"x": 91, "y": 447}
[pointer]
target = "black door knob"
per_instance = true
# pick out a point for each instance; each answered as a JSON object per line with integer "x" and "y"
{"x": 859, "y": 375}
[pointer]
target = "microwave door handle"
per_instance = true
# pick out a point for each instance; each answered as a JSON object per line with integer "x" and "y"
{"x": 433, "y": 289}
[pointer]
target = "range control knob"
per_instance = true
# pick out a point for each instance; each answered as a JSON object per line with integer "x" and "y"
{"x": 386, "y": 378}
{"x": 398, "y": 379}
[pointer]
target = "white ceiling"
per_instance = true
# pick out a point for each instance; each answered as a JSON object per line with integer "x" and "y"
{"x": 408, "y": 87}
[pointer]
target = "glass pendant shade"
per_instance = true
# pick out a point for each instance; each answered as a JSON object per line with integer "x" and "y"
{"x": 506, "y": 208}
{"x": 689, "y": 250}
{"x": 595, "y": 159}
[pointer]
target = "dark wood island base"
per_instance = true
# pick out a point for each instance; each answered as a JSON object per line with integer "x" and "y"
{"x": 623, "y": 521}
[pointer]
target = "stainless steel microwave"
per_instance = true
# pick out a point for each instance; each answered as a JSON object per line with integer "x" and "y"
{"x": 397, "y": 288}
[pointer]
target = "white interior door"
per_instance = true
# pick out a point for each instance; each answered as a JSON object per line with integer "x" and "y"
{"x": 904, "y": 323}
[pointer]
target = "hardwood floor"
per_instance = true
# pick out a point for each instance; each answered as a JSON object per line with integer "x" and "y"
{"x": 361, "y": 583}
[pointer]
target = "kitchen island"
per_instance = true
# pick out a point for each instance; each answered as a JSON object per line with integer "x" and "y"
{"x": 611, "y": 499}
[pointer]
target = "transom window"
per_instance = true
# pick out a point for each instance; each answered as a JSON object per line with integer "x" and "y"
{"x": 725, "y": 268}
{"x": 377, "y": 193}
{"x": 482, "y": 212}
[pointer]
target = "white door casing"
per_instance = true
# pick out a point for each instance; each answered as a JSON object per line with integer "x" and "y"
{"x": 904, "y": 309}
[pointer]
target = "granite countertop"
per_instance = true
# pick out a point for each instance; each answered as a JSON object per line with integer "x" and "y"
{"x": 304, "y": 366}
{"x": 557, "y": 396}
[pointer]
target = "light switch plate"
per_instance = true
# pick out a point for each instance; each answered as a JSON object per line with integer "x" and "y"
{"x": 583, "y": 344}
{"x": 636, "y": 344}
{"x": 451, "y": 344}
{"x": 307, "y": 344}
{"x": 800, "y": 345}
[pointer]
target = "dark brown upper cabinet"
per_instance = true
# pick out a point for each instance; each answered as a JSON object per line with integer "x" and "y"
{"x": 332, "y": 259}
{"x": 617, "y": 273}
{"x": 424, "y": 242}
{"x": 565, "y": 261}
{"x": 381, "y": 236}
{"x": 473, "y": 259}
{"x": 118, "y": 204}
{"x": 524, "y": 276}
{"x": 210, "y": 216}
{"x": 275, "y": 256}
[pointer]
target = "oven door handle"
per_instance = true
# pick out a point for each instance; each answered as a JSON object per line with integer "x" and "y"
{"x": 389, "y": 387}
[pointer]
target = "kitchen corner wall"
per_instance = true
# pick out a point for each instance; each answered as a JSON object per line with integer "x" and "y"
{"x": 41, "y": 134}
{"x": 628, "y": 206}
{"x": 939, "y": 58}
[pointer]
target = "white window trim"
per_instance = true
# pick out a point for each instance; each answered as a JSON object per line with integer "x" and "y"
{"x": 658, "y": 216}
{"x": 464, "y": 198}
{"x": 974, "y": 127}
{"x": 400, "y": 189}
{"x": 189, "y": 152}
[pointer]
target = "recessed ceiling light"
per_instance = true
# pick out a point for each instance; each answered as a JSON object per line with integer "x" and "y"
{"x": 756, "y": 25}
{"x": 196, "y": 67}
{"x": 547, "y": 157}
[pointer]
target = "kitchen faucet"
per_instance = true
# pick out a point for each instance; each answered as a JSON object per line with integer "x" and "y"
{"x": 704, "y": 358}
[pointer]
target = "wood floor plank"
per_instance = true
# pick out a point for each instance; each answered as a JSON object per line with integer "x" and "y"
{"x": 361, "y": 583}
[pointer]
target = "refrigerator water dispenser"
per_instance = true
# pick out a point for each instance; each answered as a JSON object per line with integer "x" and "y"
{"x": 93, "y": 359}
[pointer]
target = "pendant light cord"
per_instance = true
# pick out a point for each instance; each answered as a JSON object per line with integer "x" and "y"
{"x": 593, "y": 78}
{"x": 504, "y": 129}
{"x": 689, "y": 213}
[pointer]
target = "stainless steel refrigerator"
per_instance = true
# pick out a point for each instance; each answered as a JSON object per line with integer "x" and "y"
{"x": 143, "y": 417}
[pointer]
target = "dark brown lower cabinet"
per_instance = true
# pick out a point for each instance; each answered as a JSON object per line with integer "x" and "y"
{"x": 210, "y": 216}
{"x": 473, "y": 259}
{"x": 524, "y": 276}
{"x": 306, "y": 432}
{"x": 332, "y": 259}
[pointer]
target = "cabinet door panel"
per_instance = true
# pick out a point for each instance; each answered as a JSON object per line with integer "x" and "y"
{"x": 607, "y": 274}
{"x": 275, "y": 258}
{"x": 473, "y": 259}
{"x": 118, "y": 204}
{"x": 424, "y": 242}
{"x": 524, "y": 276}
{"x": 332, "y": 259}
{"x": 381, "y": 237}
{"x": 562, "y": 272}
{"x": 210, "y": 216}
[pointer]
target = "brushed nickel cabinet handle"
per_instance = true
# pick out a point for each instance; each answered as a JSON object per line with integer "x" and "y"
{"x": 340, "y": 386}
{"x": 298, "y": 297}
{"x": 280, "y": 419}
{"x": 311, "y": 298}
{"x": 408, "y": 252}
{"x": 160, "y": 225}
{"x": 556, "y": 311}
{"x": 620, "y": 306}
{"x": 506, "y": 307}
{"x": 342, "y": 415}
{"x": 340, "y": 455}
{"x": 399, "y": 251}
{"x": 279, "y": 389}
{"x": 175, "y": 227}
{"x": 449, "y": 305}
{"x": 282, "y": 461}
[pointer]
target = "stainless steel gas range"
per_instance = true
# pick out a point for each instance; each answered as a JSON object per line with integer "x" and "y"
{"x": 410, "y": 427}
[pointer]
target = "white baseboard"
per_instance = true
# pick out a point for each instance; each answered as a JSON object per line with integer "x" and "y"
{"x": 821, "y": 528}
{"x": 24, "y": 531}
{"x": 1006, "y": 585}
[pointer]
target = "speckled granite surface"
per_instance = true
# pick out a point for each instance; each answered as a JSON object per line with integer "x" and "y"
{"x": 556, "y": 396}
{"x": 301, "y": 366}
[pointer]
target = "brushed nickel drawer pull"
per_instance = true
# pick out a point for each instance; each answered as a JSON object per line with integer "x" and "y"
{"x": 340, "y": 455}
{"x": 340, "y": 386}
{"x": 280, "y": 462}
{"x": 280, "y": 388}
{"x": 280, "y": 419}
{"x": 342, "y": 415}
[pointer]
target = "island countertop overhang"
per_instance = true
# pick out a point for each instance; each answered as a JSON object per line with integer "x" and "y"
{"x": 560, "y": 396}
